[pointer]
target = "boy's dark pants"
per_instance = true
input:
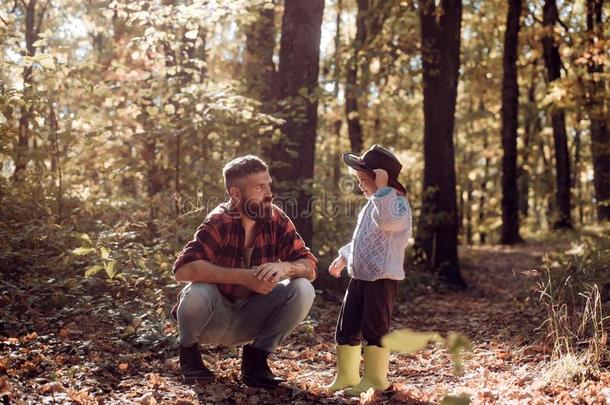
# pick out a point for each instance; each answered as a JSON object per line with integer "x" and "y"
{"x": 367, "y": 309}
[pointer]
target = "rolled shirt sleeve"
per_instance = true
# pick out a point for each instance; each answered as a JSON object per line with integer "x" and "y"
{"x": 291, "y": 246}
{"x": 205, "y": 245}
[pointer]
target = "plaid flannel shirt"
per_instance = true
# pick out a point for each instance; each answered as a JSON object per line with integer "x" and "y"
{"x": 220, "y": 240}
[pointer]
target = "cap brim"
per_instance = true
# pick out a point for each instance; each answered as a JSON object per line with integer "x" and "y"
{"x": 355, "y": 162}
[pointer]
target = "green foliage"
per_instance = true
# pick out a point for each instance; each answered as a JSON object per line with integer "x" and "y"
{"x": 408, "y": 341}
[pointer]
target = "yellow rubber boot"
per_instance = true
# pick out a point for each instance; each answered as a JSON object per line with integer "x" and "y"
{"x": 376, "y": 362}
{"x": 348, "y": 368}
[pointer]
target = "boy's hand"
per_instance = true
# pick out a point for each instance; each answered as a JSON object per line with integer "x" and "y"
{"x": 337, "y": 266}
{"x": 381, "y": 178}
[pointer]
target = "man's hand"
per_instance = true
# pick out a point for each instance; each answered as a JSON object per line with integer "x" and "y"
{"x": 381, "y": 178}
{"x": 337, "y": 266}
{"x": 259, "y": 286}
{"x": 273, "y": 271}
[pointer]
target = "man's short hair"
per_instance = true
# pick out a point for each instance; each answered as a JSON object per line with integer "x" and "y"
{"x": 240, "y": 168}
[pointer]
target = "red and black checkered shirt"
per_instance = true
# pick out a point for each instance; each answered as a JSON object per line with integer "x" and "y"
{"x": 220, "y": 240}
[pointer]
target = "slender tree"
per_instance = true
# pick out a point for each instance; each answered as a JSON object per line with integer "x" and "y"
{"x": 33, "y": 25}
{"x": 510, "y": 121}
{"x": 293, "y": 156}
{"x": 598, "y": 112}
{"x": 552, "y": 61}
{"x": 352, "y": 87}
{"x": 438, "y": 224}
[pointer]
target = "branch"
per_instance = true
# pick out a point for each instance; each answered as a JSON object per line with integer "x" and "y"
{"x": 44, "y": 9}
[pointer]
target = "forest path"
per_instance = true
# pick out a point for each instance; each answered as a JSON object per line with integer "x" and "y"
{"x": 71, "y": 355}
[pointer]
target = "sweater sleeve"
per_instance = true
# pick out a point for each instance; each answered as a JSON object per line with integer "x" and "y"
{"x": 391, "y": 212}
{"x": 345, "y": 251}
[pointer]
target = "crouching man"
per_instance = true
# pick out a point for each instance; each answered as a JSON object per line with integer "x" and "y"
{"x": 249, "y": 278}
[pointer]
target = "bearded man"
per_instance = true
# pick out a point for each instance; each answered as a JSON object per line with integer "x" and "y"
{"x": 249, "y": 278}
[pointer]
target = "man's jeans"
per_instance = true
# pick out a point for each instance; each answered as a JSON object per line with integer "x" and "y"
{"x": 207, "y": 317}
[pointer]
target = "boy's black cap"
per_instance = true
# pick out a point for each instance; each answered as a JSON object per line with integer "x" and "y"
{"x": 377, "y": 157}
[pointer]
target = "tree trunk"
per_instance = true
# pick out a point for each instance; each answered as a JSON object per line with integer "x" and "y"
{"x": 532, "y": 128}
{"x": 598, "y": 113}
{"x": 510, "y": 120}
{"x": 338, "y": 122}
{"x": 438, "y": 227}
{"x": 32, "y": 29}
{"x": 259, "y": 70}
{"x": 292, "y": 162}
{"x": 552, "y": 61}
{"x": 56, "y": 159}
{"x": 352, "y": 85}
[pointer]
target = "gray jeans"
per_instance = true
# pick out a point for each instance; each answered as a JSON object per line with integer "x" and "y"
{"x": 206, "y": 316}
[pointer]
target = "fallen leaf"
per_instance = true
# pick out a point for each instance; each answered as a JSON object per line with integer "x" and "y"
{"x": 147, "y": 399}
{"x": 52, "y": 387}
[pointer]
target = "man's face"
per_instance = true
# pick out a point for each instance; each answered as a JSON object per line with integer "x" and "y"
{"x": 366, "y": 183}
{"x": 256, "y": 196}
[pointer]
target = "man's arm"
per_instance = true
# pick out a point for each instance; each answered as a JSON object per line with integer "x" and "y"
{"x": 202, "y": 271}
{"x": 275, "y": 272}
{"x": 301, "y": 268}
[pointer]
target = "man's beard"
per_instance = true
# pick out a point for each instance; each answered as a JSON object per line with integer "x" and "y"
{"x": 260, "y": 211}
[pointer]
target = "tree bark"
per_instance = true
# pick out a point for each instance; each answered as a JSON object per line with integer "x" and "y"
{"x": 532, "y": 129}
{"x": 510, "y": 121}
{"x": 352, "y": 85}
{"x": 438, "y": 224}
{"x": 552, "y": 62}
{"x": 259, "y": 70}
{"x": 292, "y": 161}
{"x": 598, "y": 113}
{"x": 32, "y": 29}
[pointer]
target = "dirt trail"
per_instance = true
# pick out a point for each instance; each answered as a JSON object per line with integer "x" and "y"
{"x": 92, "y": 360}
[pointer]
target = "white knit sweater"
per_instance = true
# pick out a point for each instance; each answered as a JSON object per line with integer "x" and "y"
{"x": 377, "y": 248}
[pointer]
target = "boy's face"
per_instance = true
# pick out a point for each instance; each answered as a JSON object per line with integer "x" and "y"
{"x": 366, "y": 183}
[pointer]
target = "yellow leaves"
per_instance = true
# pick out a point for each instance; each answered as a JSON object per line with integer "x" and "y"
{"x": 169, "y": 109}
{"x": 152, "y": 110}
{"x": 104, "y": 252}
{"x": 81, "y": 251}
{"x": 47, "y": 61}
{"x": 93, "y": 270}
{"x": 191, "y": 34}
{"x": 375, "y": 66}
{"x": 577, "y": 249}
{"x": 129, "y": 330}
{"x": 408, "y": 341}
{"x": 40, "y": 43}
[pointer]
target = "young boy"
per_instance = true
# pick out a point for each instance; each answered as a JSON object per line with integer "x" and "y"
{"x": 374, "y": 259}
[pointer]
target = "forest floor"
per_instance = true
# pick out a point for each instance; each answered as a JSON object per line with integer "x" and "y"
{"x": 83, "y": 341}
